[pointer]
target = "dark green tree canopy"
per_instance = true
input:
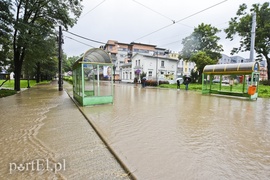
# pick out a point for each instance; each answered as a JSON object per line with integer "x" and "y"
{"x": 5, "y": 32}
{"x": 35, "y": 21}
{"x": 203, "y": 38}
{"x": 241, "y": 25}
{"x": 202, "y": 47}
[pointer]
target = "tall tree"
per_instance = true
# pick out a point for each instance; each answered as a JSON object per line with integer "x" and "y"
{"x": 68, "y": 62}
{"x": 241, "y": 26}
{"x": 5, "y": 32}
{"x": 203, "y": 42}
{"x": 40, "y": 54}
{"x": 35, "y": 19}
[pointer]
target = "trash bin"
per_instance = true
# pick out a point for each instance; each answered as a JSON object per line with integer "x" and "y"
{"x": 251, "y": 90}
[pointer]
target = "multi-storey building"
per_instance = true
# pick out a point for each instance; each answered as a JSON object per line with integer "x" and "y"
{"x": 129, "y": 59}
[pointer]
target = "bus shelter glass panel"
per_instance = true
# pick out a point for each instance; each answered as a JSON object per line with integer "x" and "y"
{"x": 97, "y": 80}
{"x": 77, "y": 76}
{"x": 89, "y": 80}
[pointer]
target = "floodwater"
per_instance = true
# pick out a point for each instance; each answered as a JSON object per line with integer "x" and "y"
{"x": 171, "y": 134}
{"x": 43, "y": 135}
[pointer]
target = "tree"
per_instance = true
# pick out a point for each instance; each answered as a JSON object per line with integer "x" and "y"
{"x": 202, "y": 59}
{"x": 202, "y": 43}
{"x": 39, "y": 56}
{"x": 68, "y": 62}
{"x": 35, "y": 19}
{"x": 5, "y": 32}
{"x": 241, "y": 26}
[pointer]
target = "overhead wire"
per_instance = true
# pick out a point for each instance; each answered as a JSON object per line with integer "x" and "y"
{"x": 84, "y": 37}
{"x": 93, "y": 8}
{"x": 175, "y": 22}
{"x": 154, "y": 10}
{"x": 79, "y": 41}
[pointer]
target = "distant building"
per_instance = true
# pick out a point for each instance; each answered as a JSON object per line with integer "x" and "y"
{"x": 154, "y": 61}
{"x": 238, "y": 59}
{"x": 155, "y": 67}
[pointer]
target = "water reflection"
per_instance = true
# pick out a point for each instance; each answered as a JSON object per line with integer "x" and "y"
{"x": 170, "y": 134}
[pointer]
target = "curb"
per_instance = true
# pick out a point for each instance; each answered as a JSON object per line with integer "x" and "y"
{"x": 118, "y": 159}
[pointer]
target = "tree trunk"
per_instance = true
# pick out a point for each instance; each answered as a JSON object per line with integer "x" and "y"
{"x": 38, "y": 73}
{"x": 268, "y": 68}
{"x": 17, "y": 70}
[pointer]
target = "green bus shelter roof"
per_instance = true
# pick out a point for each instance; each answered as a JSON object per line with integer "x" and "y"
{"x": 94, "y": 56}
{"x": 227, "y": 69}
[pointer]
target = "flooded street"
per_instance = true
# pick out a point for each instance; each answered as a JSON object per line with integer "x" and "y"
{"x": 170, "y": 134}
{"x": 43, "y": 135}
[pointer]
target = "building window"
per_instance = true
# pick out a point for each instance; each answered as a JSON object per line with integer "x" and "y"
{"x": 150, "y": 73}
{"x": 162, "y": 64}
{"x": 139, "y": 62}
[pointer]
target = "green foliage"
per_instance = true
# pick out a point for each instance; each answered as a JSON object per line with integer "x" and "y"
{"x": 143, "y": 74}
{"x": 7, "y": 92}
{"x": 34, "y": 24}
{"x": 68, "y": 79}
{"x": 5, "y": 32}
{"x": 201, "y": 59}
{"x": 194, "y": 76}
{"x": 241, "y": 25}
{"x": 202, "y": 47}
{"x": 264, "y": 91}
{"x": 202, "y": 39}
{"x": 266, "y": 82}
{"x": 68, "y": 62}
{"x": 24, "y": 83}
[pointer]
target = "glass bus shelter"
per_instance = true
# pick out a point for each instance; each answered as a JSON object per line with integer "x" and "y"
{"x": 92, "y": 82}
{"x": 240, "y": 79}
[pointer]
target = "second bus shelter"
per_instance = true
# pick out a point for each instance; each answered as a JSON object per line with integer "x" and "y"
{"x": 241, "y": 79}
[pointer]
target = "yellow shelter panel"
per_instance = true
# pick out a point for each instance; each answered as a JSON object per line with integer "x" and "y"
{"x": 229, "y": 69}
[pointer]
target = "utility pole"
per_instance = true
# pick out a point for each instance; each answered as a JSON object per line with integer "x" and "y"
{"x": 60, "y": 79}
{"x": 252, "y": 40}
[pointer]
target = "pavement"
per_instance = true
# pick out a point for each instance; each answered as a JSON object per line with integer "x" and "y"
{"x": 44, "y": 135}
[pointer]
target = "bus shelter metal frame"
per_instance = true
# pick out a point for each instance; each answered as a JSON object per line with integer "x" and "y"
{"x": 94, "y": 59}
{"x": 250, "y": 82}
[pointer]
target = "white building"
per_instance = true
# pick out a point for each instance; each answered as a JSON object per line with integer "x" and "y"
{"x": 155, "y": 67}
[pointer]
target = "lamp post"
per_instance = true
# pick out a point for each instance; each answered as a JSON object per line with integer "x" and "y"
{"x": 114, "y": 67}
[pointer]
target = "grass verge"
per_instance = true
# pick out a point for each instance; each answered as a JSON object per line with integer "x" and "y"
{"x": 7, "y": 88}
{"x": 264, "y": 90}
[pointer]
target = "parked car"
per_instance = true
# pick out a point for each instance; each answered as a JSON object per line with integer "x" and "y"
{"x": 226, "y": 81}
{"x": 216, "y": 81}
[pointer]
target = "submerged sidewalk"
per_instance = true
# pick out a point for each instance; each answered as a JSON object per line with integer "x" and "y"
{"x": 43, "y": 135}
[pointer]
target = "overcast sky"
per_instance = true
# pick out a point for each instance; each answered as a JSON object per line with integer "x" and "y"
{"x": 129, "y": 21}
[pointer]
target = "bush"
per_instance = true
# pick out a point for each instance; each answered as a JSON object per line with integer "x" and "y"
{"x": 68, "y": 79}
{"x": 265, "y": 82}
{"x": 6, "y": 92}
{"x": 151, "y": 83}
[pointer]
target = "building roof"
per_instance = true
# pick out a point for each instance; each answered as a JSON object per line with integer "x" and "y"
{"x": 235, "y": 68}
{"x": 94, "y": 56}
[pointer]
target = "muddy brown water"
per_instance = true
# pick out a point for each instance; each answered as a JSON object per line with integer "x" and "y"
{"x": 43, "y": 135}
{"x": 158, "y": 134}
{"x": 170, "y": 134}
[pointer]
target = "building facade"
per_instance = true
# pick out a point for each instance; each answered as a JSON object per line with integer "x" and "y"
{"x": 156, "y": 68}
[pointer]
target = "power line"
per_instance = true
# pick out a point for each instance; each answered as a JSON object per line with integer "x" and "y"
{"x": 93, "y": 8}
{"x": 84, "y": 37}
{"x": 174, "y": 22}
{"x": 153, "y": 10}
{"x": 79, "y": 41}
